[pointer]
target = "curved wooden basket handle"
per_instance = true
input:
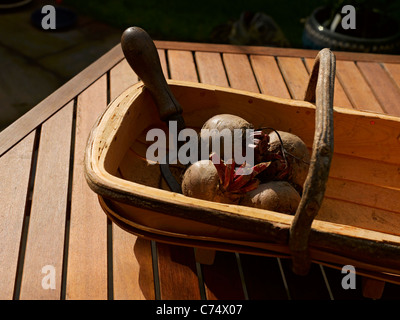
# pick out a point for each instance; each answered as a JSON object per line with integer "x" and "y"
{"x": 319, "y": 90}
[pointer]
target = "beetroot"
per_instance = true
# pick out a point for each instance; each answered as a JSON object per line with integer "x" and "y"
{"x": 214, "y": 180}
{"x": 296, "y": 154}
{"x": 223, "y": 123}
{"x": 279, "y": 196}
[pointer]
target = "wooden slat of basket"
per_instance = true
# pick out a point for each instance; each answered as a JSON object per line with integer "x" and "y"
{"x": 361, "y": 193}
{"x": 46, "y": 234}
{"x": 132, "y": 257}
{"x": 367, "y": 171}
{"x": 15, "y": 167}
{"x": 87, "y": 251}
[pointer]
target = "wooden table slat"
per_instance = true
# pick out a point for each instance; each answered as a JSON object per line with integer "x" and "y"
{"x": 87, "y": 272}
{"x": 15, "y": 168}
{"x": 239, "y": 71}
{"x": 295, "y": 74}
{"x": 46, "y": 234}
{"x": 182, "y": 66}
{"x": 268, "y": 76}
{"x": 177, "y": 273}
{"x": 356, "y": 88}
{"x": 211, "y": 69}
{"x": 385, "y": 90}
{"x": 340, "y": 98}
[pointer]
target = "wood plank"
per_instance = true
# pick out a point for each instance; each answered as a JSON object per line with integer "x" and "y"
{"x": 132, "y": 259}
{"x": 240, "y": 74}
{"x": 365, "y": 194}
{"x": 295, "y": 74}
{"x": 349, "y": 213}
{"x": 263, "y": 278}
{"x": 222, "y": 279}
{"x": 211, "y": 69}
{"x": 177, "y": 272}
{"x": 182, "y": 66}
{"x": 365, "y": 171}
{"x": 273, "y": 51}
{"x": 42, "y": 111}
{"x": 308, "y": 287}
{"x": 87, "y": 252}
{"x": 15, "y": 167}
{"x": 340, "y": 98}
{"x": 132, "y": 267}
{"x": 394, "y": 71}
{"x": 357, "y": 89}
{"x": 46, "y": 233}
{"x": 384, "y": 88}
{"x": 121, "y": 78}
{"x": 269, "y": 77}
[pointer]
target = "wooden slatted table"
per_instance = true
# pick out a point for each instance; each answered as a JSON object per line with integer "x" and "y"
{"x": 51, "y": 224}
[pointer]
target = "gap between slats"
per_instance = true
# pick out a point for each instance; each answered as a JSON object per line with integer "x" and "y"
{"x": 25, "y": 226}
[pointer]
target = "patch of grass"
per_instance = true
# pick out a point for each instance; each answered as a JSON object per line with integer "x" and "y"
{"x": 194, "y": 21}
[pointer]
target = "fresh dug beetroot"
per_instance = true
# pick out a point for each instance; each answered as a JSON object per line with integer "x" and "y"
{"x": 296, "y": 154}
{"x": 214, "y": 180}
{"x": 279, "y": 196}
{"x": 222, "y": 122}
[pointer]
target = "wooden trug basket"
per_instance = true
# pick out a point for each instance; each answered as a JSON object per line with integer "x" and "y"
{"x": 350, "y": 216}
